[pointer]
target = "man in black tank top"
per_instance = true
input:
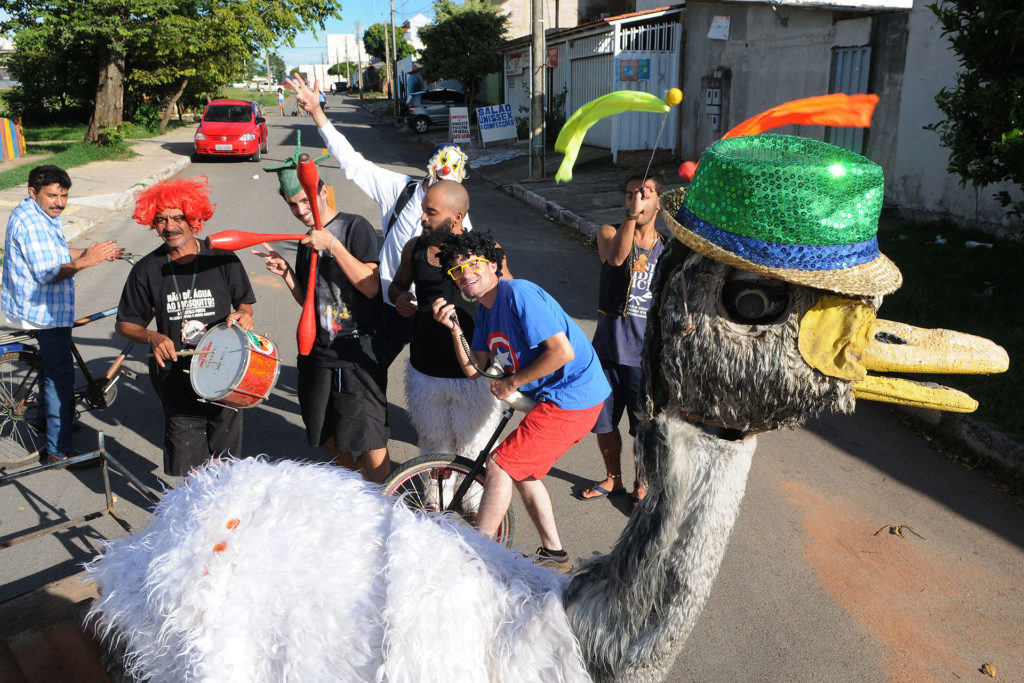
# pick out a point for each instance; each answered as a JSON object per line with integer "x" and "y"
{"x": 451, "y": 414}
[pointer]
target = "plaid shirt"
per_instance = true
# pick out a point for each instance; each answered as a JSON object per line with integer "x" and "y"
{"x": 34, "y": 251}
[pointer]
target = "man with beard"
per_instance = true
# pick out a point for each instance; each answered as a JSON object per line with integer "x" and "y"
{"x": 397, "y": 195}
{"x": 451, "y": 414}
{"x": 188, "y": 288}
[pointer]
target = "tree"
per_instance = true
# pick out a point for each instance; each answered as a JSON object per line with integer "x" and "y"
{"x": 164, "y": 46}
{"x": 984, "y": 112}
{"x": 374, "y": 37}
{"x": 463, "y": 43}
{"x": 277, "y": 68}
{"x": 343, "y": 69}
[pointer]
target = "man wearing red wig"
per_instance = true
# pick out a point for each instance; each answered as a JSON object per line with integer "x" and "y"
{"x": 187, "y": 288}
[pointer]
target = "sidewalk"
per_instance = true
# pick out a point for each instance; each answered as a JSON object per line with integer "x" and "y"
{"x": 103, "y": 187}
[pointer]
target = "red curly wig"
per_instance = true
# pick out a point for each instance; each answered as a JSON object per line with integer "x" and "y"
{"x": 191, "y": 196}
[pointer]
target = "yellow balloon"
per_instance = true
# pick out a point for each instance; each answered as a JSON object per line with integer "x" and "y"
{"x": 673, "y": 97}
{"x": 570, "y": 139}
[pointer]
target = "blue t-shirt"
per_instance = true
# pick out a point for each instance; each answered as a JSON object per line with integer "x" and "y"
{"x": 515, "y": 327}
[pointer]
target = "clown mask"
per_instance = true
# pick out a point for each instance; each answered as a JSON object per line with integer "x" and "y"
{"x": 447, "y": 162}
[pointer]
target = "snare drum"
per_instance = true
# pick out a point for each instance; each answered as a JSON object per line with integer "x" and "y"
{"x": 234, "y": 367}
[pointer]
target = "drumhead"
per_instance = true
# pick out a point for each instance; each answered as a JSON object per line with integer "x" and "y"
{"x": 215, "y": 374}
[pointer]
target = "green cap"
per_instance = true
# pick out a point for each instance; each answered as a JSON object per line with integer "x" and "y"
{"x": 287, "y": 175}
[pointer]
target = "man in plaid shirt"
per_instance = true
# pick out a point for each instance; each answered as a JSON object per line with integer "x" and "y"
{"x": 39, "y": 293}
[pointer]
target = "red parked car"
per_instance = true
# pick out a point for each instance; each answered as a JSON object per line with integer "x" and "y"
{"x": 232, "y": 128}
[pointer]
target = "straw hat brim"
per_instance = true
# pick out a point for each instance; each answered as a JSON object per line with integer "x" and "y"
{"x": 874, "y": 278}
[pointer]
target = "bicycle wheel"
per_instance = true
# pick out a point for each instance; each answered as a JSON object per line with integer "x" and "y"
{"x": 22, "y": 432}
{"x": 429, "y": 482}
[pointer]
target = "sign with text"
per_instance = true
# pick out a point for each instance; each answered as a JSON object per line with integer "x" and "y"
{"x": 458, "y": 124}
{"x": 496, "y": 123}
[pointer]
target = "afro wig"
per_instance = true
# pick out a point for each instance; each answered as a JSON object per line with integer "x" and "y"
{"x": 467, "y": 244}
{"x": 191, "y": 196}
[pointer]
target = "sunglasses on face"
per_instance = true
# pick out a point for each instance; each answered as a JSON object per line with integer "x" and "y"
{"x": 470, "y": 267}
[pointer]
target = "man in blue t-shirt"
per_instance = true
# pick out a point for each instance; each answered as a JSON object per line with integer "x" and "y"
{"x": 548, "y": 358}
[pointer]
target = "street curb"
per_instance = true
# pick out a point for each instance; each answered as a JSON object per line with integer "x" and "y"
{"x": 552, "y": 211}
{"x": 111, "y": 203}
{"x": 969, "y": 434}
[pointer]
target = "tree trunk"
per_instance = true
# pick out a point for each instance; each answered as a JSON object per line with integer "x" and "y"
{"x": 109, "y": 109}
{"x": 172, "y": 105}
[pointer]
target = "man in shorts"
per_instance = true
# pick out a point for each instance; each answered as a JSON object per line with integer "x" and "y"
{"x": 342, "y": 383}
{"x": 629, "y": 251}
{"x": 549, "y": 359}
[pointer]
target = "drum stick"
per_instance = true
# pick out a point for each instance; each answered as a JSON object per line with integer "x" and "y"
{"x": 309, "y": 178}
{"x": 193, "y": 352}
{"x": 233, "y": 240}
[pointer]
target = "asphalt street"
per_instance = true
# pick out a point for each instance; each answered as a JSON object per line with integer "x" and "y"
{"x": 807, "y": 590}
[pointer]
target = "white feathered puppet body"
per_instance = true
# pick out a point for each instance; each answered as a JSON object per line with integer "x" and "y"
{"x": 253, "y": 571}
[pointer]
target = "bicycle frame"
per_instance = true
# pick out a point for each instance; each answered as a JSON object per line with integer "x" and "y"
{"x": 481, "y": 459}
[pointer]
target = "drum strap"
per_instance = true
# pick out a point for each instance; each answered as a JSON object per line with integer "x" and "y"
{"x": 192, "y": 285}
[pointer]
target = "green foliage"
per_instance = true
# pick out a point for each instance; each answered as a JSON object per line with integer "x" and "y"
{"x": 374, "y": 37}
{"x": 463, "y": 43}
{"x": 977, "y": 290}
{"x": 340, "y": 69}
{"x": 523, "y": 127}
{"x": 984, "y": 112}
{"x": 111, "y": 136}
{"x": 68, "y": 155}
{"x": 191, "y": 47}
{"x": 554, "y": 117}
{"x": 277, "y": 68}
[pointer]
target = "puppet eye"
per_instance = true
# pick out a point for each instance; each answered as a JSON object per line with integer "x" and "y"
{"x": 751, "y": 299}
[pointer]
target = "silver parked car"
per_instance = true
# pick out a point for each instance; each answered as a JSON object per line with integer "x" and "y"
{"x": 429, "y": 108}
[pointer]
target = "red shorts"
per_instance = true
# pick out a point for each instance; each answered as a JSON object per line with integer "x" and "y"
{"x": 543, "y": 436}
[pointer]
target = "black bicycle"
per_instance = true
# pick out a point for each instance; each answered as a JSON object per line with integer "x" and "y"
{"x": 22, "y": 427}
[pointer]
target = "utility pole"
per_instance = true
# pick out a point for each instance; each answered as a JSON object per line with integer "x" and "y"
{"x": 323, "y": 72}
{"x": 387, "y": 57}
{"x": 359, "y": 61}
{"x": 348, "y": 71}
{"x": 537, "y": 66}
{"x": 394, "y": 51}
{"x": 266, "y": 55}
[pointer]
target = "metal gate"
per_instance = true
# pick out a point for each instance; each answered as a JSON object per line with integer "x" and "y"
{"x": 851, "y": 67}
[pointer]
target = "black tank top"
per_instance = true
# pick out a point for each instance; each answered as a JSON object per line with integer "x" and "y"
{"x": 431, "y": 350}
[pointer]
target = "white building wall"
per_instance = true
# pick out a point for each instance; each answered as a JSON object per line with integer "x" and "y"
{"x": 338, "y": 43}
{"x": 920, "y": 184}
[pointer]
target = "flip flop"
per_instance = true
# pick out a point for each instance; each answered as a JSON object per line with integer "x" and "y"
{"x": 600, "y": 490}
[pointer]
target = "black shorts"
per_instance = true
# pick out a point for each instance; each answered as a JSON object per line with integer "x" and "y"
{"x": 347, "y": 403}
{"x": 194, "y": 430}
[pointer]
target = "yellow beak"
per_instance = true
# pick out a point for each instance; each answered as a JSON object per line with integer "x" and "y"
{"x": 842, "y": 338}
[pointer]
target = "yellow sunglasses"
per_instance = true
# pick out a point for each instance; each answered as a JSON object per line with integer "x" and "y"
{"x": 470, "y": 267}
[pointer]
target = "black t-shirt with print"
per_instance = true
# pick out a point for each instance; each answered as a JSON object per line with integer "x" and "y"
{"x": 347, "y": 321}
{"x": 161, "y": 289}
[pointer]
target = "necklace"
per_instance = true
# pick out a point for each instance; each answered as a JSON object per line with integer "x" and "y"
{"x": 640, "y": 256}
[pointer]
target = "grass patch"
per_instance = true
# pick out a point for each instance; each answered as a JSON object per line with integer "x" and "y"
{"x": 45, "y": 133}
{"x": 266, "y": 99}
{"x": 977, "y": 290}
{"x": 65, "y": 155}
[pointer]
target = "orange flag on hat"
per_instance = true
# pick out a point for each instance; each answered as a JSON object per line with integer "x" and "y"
{"x": 836, "y": 109}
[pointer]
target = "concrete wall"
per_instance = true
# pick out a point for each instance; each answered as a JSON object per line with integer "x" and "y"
{"x": 918, "y": 182}
{"x": 764, "y": 63}
{"x": 557, "y": 14}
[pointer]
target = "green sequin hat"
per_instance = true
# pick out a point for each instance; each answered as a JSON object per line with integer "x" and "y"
{"x": 796, "y": 209}
{"x": 286, "y": 172}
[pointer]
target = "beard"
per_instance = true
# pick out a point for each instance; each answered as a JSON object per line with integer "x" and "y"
{"x": 438, "y": 235}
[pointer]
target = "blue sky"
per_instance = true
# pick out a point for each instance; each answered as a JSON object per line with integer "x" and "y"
{"x": 309, "y": 48}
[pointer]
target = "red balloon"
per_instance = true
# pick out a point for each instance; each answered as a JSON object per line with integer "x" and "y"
{"x": 687, "y": 169}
